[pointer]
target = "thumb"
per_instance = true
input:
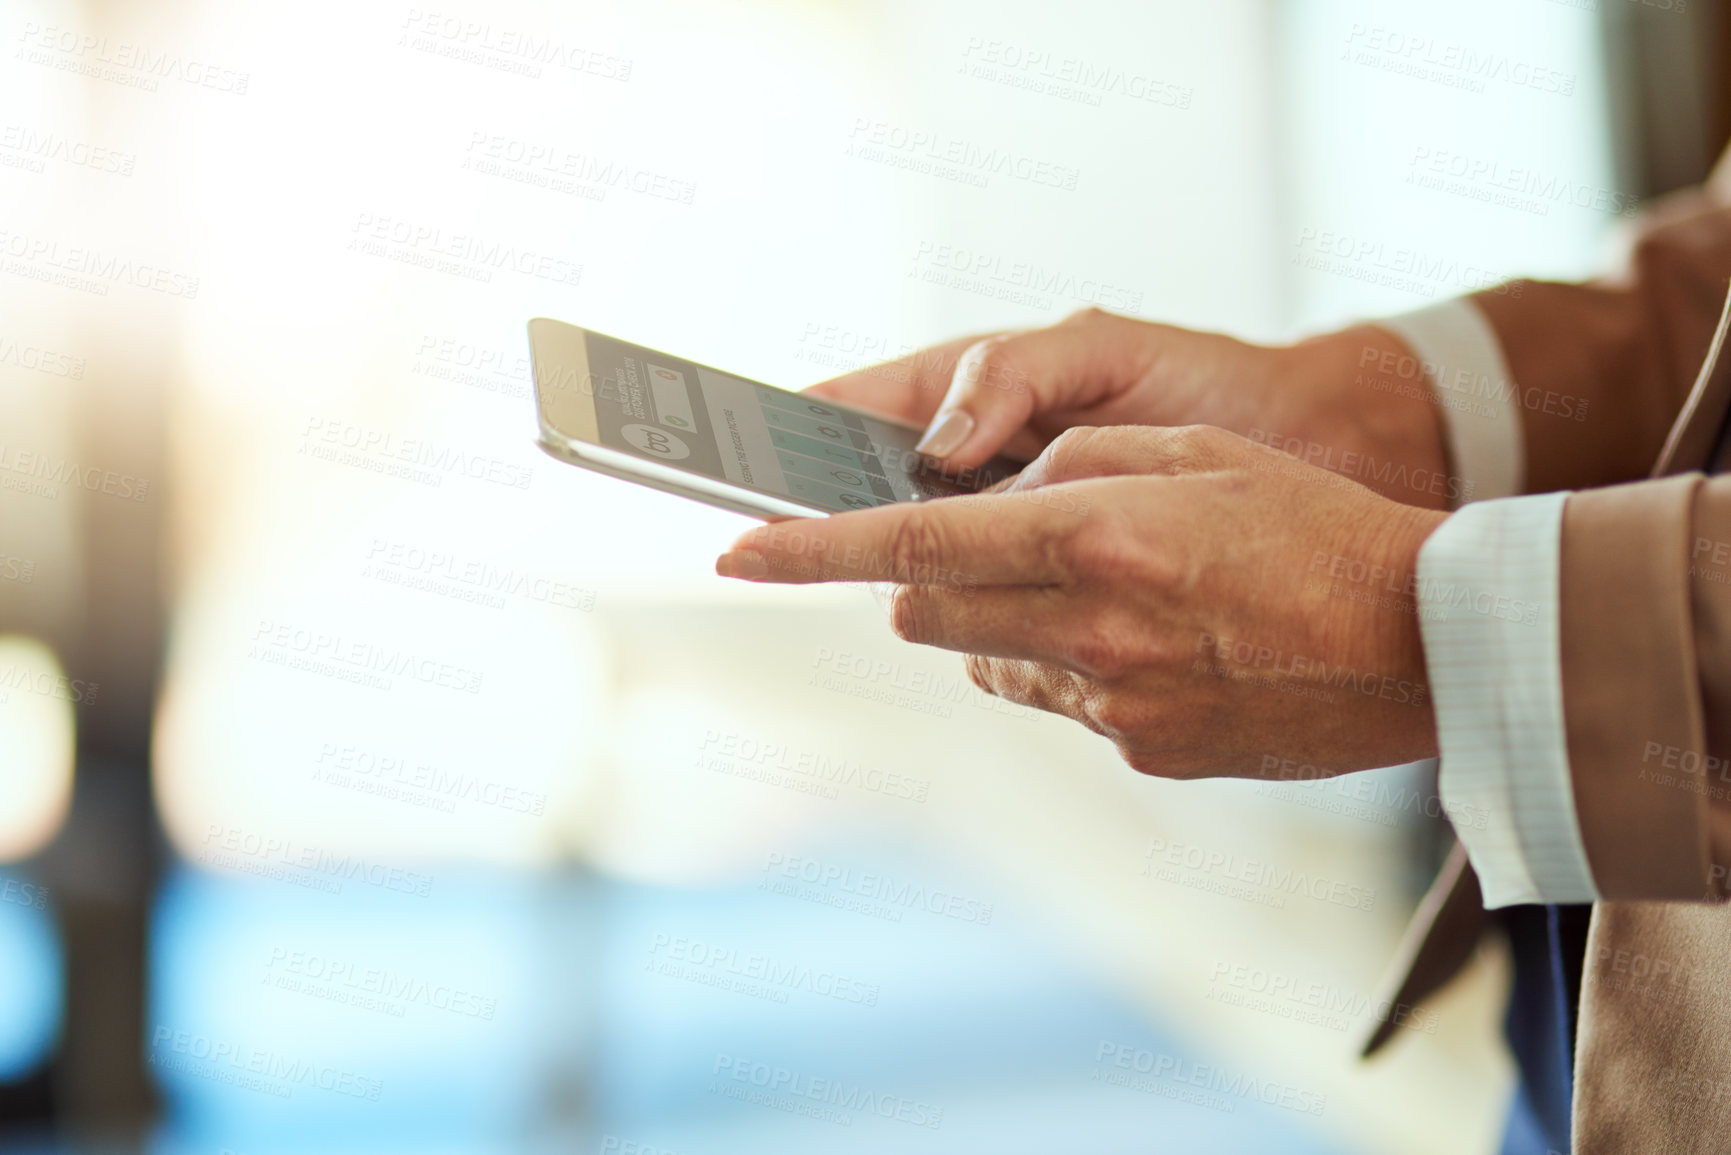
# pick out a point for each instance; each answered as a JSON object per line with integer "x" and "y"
{"x": 1002, "y": 382}
{"x": 972, "y": 422}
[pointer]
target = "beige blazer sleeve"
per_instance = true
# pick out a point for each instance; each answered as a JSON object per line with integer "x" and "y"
{"x": 1646, "y": 662}
{"x": 1623, "y": 350}
{"x": 1645, "y": 573}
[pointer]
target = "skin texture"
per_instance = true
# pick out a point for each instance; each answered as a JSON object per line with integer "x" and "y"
{"x": 1155, "y": 585}
{"x": 1211, "y": 605}
{"x": 1329, "y": 397}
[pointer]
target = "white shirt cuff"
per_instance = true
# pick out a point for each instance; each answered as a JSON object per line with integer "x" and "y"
{"x": 1463, "y": 361}
{"x": 1488, "y": 607}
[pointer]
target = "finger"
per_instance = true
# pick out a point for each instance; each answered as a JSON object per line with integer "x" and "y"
{"x": 1001, "y": 382}
{"x": 907, "y": 389}
{"x": 1042, "y": 624}
{"x": 958, "y": 543}
{"x": 1035, "y": 685}
{"x": 994, "y": 621}
{"x": 1084, "y": 452}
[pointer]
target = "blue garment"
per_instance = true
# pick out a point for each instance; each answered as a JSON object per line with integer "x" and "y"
{"x": 1550, "y": 948}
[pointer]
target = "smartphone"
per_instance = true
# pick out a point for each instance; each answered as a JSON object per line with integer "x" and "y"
{"x": 674, "y": 425}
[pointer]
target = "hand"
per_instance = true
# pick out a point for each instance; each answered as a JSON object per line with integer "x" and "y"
{"x": 1170, "y": 589}
{"x": 1332, "y": 400}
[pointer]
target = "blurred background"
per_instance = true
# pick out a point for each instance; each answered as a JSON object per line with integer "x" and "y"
{"x": 374, "y": 783}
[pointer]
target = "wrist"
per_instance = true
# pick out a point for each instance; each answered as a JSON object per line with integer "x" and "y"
{"x": 1400, "y": 639}
{"x": 1369, "y": 413}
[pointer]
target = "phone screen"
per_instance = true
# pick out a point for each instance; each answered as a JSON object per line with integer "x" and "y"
{"x": 695, "y": 418}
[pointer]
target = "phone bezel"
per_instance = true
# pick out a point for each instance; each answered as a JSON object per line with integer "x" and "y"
{"x": 569, "y": 430}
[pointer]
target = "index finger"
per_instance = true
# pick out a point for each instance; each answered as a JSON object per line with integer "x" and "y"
{"x": 908, "y": 388}
{"x": 956, "y": 542}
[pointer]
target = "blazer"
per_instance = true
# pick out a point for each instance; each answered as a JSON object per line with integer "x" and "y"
{"x": 1645, "y": 641}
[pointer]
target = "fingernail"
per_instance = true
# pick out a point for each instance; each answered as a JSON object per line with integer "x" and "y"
{"x": 742, "y": 563}
{"x": 946, "y": 434}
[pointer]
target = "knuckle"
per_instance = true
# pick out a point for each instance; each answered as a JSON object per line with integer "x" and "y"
{"x": 997, "y": 365}
{"x": 1117, "y": 716}
{"x": 908, "y": 618}
{"x": 1071, "y": 440}
{"x": 1175, "y": 765}
{"x": 1108, "y": 550}
{"x": 1067, "y": 452}
{"x": 980, "y": 673}
{"x": 918, "y": 543}
{"x": 1143, "y": 761}
{"x": 1087, "y": 314}
{"x": 1103, "y": 659}
{"x": 1201, "y": 445}
{"x": 1094, "y": 548}
{"x": 1103, "y": 651}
